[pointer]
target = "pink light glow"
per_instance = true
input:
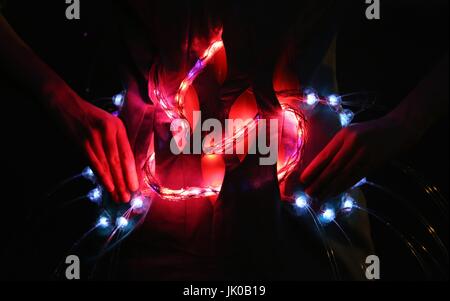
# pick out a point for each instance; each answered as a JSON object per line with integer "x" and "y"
{"x": 213, "y": 185}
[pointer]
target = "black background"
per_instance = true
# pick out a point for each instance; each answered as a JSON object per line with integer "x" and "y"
{"x": 388, "y": 56}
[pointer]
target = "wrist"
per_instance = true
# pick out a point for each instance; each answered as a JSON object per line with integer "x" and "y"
{"x": 55, "y": 93}
{"x": 61, "y": 100}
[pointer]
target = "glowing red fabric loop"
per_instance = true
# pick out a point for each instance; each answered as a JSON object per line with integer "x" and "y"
{"x": 177, "y": 112}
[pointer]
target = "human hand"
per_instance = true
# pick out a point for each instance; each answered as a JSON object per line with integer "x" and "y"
{"x": 104, "y": 139}
{"x": 354, "y": 153}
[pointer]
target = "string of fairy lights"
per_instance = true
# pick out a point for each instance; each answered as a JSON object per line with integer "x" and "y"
{"x": 153, "y": 187}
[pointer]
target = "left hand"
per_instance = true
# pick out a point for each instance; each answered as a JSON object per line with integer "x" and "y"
{"x": 354, "y": 153}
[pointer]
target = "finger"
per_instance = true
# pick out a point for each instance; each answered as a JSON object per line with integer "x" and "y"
{"x": 97, "y": 147}
{"x": 333, "y": 170}
{"x": 321, "y": 161}
{"x": 127, "y": 160}
{"x": 112, "y": 155}
{"x": 101, "y": 170}
{"x": 355, "y": 170}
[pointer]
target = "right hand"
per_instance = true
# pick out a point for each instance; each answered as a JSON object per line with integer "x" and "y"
{"x": 104, "y": 139}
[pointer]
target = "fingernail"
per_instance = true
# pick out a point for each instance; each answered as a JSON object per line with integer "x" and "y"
{"x": 134, "y": 187}
{"x": 126, "y": 197}
{"x": 110, "y": 189}
{"x": 302, "y": 179}
{"x": 115, "y": 196}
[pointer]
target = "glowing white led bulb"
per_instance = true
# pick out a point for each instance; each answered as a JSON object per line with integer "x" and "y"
{"x": 348, "y": 203}
{"x": 328, "y": 215}
{"x": 302, "y": 201}
{"x": 103, "y": 222}
{"x": 346, "y": 117}
{"x": 95, "y": 195}
{"x": 137, "y": 203}
{"x": 121, "y": 222}
{"x": 334, "y": 100}
{"x": 88, "y": 174}
{"x": 118, "y": 99}
{"x": 312, "y": 99}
